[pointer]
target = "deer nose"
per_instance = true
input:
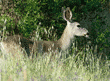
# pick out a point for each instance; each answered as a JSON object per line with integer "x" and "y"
{"x": 87, "y": 35}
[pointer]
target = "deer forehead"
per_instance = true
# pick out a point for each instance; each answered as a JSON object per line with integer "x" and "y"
{"x": 73, "y": 25}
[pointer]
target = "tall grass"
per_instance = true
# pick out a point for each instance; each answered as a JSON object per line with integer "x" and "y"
{"x": 46, "y": 68}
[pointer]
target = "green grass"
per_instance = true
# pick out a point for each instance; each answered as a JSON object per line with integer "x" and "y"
{"x": 73, "y": 68}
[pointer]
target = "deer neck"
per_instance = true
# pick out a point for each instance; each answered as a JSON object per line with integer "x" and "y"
{"x": 65, "y": 41}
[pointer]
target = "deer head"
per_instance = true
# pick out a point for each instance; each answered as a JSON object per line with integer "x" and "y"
{"x": 74, "y": 28}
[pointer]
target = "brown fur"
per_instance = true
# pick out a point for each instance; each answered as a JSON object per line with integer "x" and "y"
{"x": 14, "y": 43}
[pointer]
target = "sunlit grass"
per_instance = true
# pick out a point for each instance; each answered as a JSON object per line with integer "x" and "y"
{"x": 46, "y": 68}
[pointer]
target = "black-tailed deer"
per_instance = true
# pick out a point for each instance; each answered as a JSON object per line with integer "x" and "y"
{"x": 15, "y": 44}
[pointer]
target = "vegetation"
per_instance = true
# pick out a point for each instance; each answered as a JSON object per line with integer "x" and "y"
{"x": 57, "y": 69}
{"x": 39, "y": 20}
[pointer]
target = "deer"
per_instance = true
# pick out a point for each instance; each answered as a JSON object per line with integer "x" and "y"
{"x": 11, "y": 44}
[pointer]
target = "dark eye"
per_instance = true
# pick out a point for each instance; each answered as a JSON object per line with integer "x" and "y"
{"x": 78, "y": 26}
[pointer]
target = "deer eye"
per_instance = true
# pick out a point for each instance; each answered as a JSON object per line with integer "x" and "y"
{"x": 78, "y": 26}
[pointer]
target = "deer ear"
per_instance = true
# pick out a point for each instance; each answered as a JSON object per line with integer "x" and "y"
{"x": 63, "y": 13}
{"x": 67, "y": 14}
{"x": 63, "y": 9}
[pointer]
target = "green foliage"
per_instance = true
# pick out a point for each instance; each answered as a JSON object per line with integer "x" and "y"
{"x": 31, "y": 12}
{"x": 7, "y": 23}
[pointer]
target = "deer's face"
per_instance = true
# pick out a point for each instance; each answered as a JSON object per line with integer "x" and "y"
{"x": 73, "y": 28}
{"x": 76, "y": 30}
